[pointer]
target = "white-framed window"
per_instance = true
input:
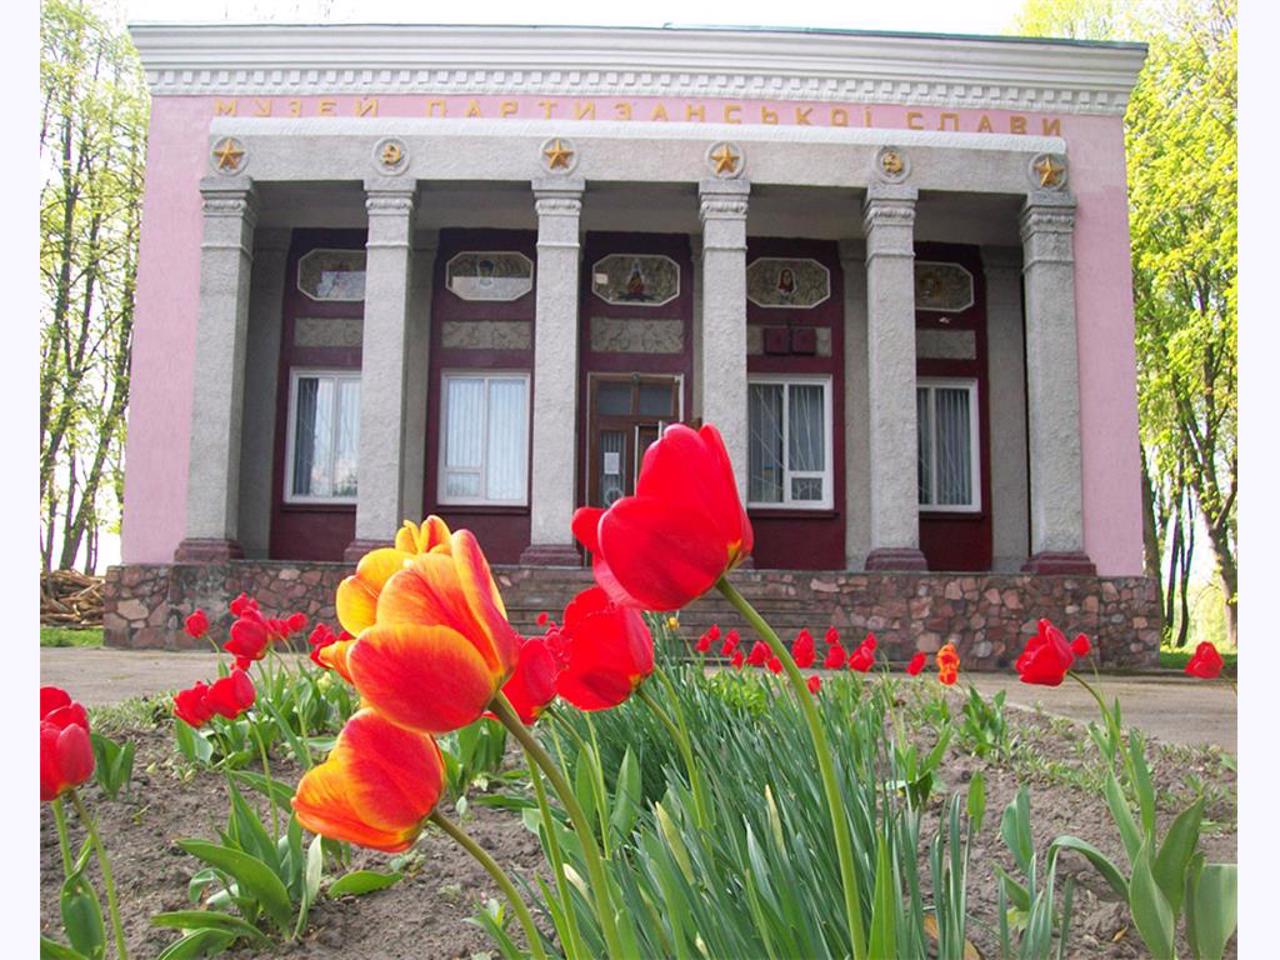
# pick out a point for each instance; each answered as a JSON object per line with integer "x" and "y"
{"x": 484, "y": 438}
{"x": 789, "y": 442}
{"x": 323, "y": 436}
{"x": 947, "y": 432}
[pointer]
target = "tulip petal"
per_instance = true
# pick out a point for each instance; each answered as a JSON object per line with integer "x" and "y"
{"x": 427, "y": 678}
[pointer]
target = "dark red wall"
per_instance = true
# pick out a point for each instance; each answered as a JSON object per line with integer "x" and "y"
{"x": 805, "y": 539}
{"x": 309, "y": 531}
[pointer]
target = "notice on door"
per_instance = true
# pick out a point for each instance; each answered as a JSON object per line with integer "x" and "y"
{"x": 612, "y": 462}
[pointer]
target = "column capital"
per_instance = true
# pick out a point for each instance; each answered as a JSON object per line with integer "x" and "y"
{"x": 227, "y": 197}
{"x": 384, "y": 198}
{"x": 560, "y": 196}
{"x": 889, "y": 205}
{"x": 723, "y": 199}
{"x": 1047, "y": 211}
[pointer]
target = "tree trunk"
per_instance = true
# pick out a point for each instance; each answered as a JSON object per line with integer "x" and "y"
{"x": 1150, "y": 535}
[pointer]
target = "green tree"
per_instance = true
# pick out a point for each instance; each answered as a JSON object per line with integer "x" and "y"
{"x": 92, "y": 148}
{"x": 1181, "y": 148}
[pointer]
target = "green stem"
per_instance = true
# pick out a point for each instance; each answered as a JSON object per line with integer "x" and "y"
{"x": 64, "y": 841}
{"x": 572, "y": 938}
{"x": 500, "y": 878}
{"x": 602, "y": 796}
{"x": 590, "y": 851}
{"x": 112, "y": 906}
{"x": 266, "y": 772}
{"x": 839, "y": 820}
{"x": 681, "y": 738}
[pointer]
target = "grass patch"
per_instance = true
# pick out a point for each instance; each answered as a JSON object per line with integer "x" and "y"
{"x": 70, "y": 636}
{"x": 1177, "y": 659}
{"x": 112, "y": 719}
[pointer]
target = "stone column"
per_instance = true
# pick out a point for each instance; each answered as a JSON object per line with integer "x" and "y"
{"x": 553, "y": 465}
{"x": 213, "y": 467}
{"x": 1007, "y": 403}
{"x": 1053, "y": 385}
{"x": 380, "y": 480}
{"x": 723, "y": 367}
{"x": 889, "y": 216}
{"x": 262, "y": 370}
{"x": 857, "y": 482}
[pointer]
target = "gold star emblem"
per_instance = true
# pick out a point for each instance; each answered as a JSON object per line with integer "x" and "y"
{"x": 558, "y": 155}
{"x": 228, "y": 153}
{"x": 725, "y": 159}
{"x": 891, "y": 162}
{"x": 1050, "y": 172}
{"x": 391, "y": 154}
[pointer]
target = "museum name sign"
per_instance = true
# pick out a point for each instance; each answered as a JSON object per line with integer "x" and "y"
{"x": 645, "y": 109}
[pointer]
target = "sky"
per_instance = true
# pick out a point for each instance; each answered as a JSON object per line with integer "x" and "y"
{"x": 927, "y": 16}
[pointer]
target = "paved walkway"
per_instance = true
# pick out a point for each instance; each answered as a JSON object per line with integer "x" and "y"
{"x": 1175, "y": 709}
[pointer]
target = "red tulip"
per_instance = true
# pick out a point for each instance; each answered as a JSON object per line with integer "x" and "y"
{"x": 610, "y": 651}
{"x": 192, "y": 705}
{"x": 377, "y": 787}
{"x": 683, "y": 530}
{"x": 704, "y": 643}
{"x": 197, "y": 625}
{"x": 916, "y": 664}
{"x": 533, "y": 683}
{"x": 815, "y": 683}
{"x": 243, "y": 603}
{"x": 738, "y": 659}
{"x": 66, "y": 753}
{"x": 321, "y": 637}
{"x": 803, "y": 651}
{"x": 1080, "y": 646}
{"x": 296, "y": 622}
{"x": 835, "y": 657}
{"x": 1206, "y": 663}
{"x": 832, "y": 636}
{"x": 759, "y": 655}
{"x": 869, "y": 641}
{"x": 862, "y": 659}
{"x": 57, "y": 707}
{"x": 948, "y": 658}
{"x": 731, "y": 641}
{"x": 542, "y": 619}
{"x": 774, "y": 665}
{"x": 948, "y": 677}
{"x": 231, "y": 695}
{"x": 1046, "y": 658}
{"x": 250, "y": 636}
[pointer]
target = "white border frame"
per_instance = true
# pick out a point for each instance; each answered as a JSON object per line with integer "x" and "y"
{"x": 790, "y": 306}
{"x": 975, "y": 441}
{"x": 297, "y": 273}
{"x": 296, "y": 374}
{"x": 486, "y": 374}
{"x": 826, "y": 381}
{"x": 637, "y": 303}
{"x": 533, "y": 275}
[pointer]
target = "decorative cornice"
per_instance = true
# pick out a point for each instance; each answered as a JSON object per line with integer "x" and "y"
{"x": 927, "y": 70}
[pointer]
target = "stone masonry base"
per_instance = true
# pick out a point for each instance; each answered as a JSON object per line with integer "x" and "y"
{"x": 987, "y": 616}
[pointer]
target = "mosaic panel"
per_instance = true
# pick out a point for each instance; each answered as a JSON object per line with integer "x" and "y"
{"x": 328, "y": 332}
{"x": 486, "y": 335}
{"x": 489, "y": 275}
{"x": 946, "y": 345}
{"x": 332, "y": 275}
{"x": 793, "y": 283}
{"x": 636, "y": 280}
{"x": 616, "y": 335}
{"x": 946, "y": 287}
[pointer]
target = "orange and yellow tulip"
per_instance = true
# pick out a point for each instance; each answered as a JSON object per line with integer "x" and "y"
{"x": 377, "y": 787}
{"x": 440, "y": 646}
{"x": 357, "y": 600}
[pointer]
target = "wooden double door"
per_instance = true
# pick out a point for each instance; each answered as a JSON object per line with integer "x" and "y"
{"x": 626, "y": 413}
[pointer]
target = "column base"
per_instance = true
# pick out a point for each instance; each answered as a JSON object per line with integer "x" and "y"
{"x": 896, "y": 558}
{"x": 207, "y": 550}
{"x": 1066, "y": 563}
{"x": 551, "y": 555}
{"x": 358, "y": 548}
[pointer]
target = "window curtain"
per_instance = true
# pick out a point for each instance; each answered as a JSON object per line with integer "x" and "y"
{"x": 764, "y": 443}
{"x": 464, "y": 436}
{"x": 507, "y": 443}
{"x": 304, "y": 435}
{"x": 348, "y": 441}
{"x": 924, "y": 446}
{"x": 955, "y": 458}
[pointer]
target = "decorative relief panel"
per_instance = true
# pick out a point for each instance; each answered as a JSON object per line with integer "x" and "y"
{"x": 637, "y": 280}
{"x": 779, "y": 282}
{"x": 945, "y": 287}
{"x": 328, "y": 332}
{"x": 755, "y": 340}
{"x": 946, "y": 345}
{"x": 489, "y": 275}
{"x": 617, "y": 335}
{"x": 332, "y": 275}
{"x": 486, "y": 335}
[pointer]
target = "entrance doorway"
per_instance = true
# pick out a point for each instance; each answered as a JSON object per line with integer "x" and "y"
{"x": 625, "y": 413}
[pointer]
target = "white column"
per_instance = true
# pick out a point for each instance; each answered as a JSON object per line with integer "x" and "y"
{"x": 1053, "y": 385}
{"x": 213, "y": 468}
{"x": 723, "y": 367}
{"x": 380, "y": 480}
{"x": 857, "y": 482}
{"x": 558, "y": 203}
{"x": 889, "y": 216}
{"x": 1007, "y": 403}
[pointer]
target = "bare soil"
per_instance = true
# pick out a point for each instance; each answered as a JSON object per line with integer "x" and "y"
{"x": 426, "y": 914}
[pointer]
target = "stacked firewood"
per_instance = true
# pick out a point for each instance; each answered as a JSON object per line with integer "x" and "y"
{"x": 70, "y": 599}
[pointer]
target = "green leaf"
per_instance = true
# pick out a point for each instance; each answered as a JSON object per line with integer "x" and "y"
{"x": 82, "y": 914}
{"x": 1123, "y": 818}
{"x": 359, "y": 882}
{"x": 1170, "y": 867}
{"x": 626, "y": 800}
{"x": 1211, "y": 910}
{"x": 212, "y": 919}
{"x": 977, "y": 801}
{"x": 250, "y": 833}
{"x": 1142, "y": 784}
{"x": 254, "y": 878}
{"x": 1099, "y": 860}
{"x": 281, "y": 792}
{"x": 884, "y": 907}
{"x": 194, "y": 747}
{"x": 198, "y": 943}
{"x": 1151, "y": 912}
{"x": 52, "y": 950}
{"x": 1015, "y": 829}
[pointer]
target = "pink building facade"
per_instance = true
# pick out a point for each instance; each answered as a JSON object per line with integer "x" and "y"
{"x": 391, "y": 271}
